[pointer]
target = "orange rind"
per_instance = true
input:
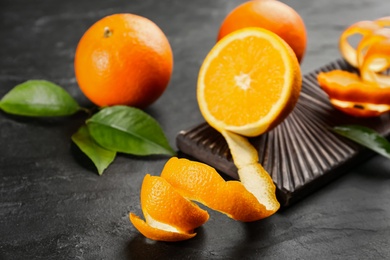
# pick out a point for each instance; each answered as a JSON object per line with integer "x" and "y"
{"x": 360, "y": 109}
{"x": 350, "y": 94}
{"x": 348, "y": 86}
{"x": 168, "y": 215}
{"x": 202, "y": 183}
{"x": 378, "y": 56}
{"x": 362, "y": 29}
{"x": 167, "y": 200}
{"x": 366, "y": 93}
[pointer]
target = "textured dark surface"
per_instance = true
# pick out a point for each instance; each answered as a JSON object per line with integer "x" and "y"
{"x": 53, "y": 205}
{"x": 301, "y": 154}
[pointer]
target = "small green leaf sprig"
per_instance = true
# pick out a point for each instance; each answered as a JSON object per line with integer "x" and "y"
{"x": 366, "y": 137}
{"x": 112, "y": 130}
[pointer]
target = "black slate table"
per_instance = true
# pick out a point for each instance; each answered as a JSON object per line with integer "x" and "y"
{"x": 53, "y": 205}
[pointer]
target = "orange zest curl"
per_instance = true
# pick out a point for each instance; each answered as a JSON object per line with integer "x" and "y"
{"x": 351, "y": 95}
{"x": 166, "y": 200}
{"x": 367, "y": 95}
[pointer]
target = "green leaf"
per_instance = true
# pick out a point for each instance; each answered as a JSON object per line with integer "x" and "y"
{"x": 365, "y": 136}
{"x": 100, "y": 156}
{"x": 128, "y": 130}
{"x": 38, "y": 98}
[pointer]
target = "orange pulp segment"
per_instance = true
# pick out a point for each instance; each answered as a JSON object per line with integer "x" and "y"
{"x": 249, "y": 82}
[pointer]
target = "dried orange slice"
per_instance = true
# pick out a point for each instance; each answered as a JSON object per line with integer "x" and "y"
{"x": 168, "y": 215}
{"x": 249, "y": 82}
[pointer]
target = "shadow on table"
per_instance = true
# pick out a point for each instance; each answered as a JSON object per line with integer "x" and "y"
{"x": 235, "y": 242}
{"x": 143, "y": 248}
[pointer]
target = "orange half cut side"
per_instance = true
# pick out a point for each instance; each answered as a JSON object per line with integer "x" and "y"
{"x": 249, "y": 82}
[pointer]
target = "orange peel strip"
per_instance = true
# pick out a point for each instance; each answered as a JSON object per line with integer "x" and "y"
{"x": 168, "y": 215}
{"x": 157, "y": 233}
{"x": 252, "y": 174}
{"x": 345, "y": 86}
{"x": 362, "y": 28}
{"x": 349, "y": 94}
{"x": 366, "y": 42}
{"x": 383, "y": 21}
{"x": 378, "y": 56}
{"x": 202, "y": 183}
{"x": 360, "y": 109}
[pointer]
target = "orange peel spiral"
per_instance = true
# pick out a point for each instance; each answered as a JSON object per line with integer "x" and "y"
{"x": 367, "y": 94}
{"x": 167, "y": 200}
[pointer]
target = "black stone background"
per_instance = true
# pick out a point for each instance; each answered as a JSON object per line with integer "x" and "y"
{"x": 53, "y": 205}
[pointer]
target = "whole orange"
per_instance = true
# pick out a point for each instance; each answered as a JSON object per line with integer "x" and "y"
{"x": 272, "y": 15}
{"x": 123, "y": 59}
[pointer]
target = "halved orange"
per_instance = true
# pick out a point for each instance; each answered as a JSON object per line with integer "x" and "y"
{"x": 249, "y": 82}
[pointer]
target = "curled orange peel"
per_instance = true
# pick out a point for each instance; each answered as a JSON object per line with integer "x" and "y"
{"x": 347, "y": 86}
{"x": 366, "y": 94}
{"x": 170, "y": 214}
{"x": 362, "y": 28}
{"x": 366, "y": 42}
{"x": 377, "y": 56}
{"x": 350, "y": 94}
{"x": 360, "y": 109}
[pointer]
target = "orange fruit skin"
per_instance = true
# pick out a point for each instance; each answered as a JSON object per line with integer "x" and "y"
{"x": 158, "y": 234}
{"x": 123, "y": 59}
{"x": 163, "y": 203}
{"x": 202, "y": 183}
{"x": 272, "y": 15}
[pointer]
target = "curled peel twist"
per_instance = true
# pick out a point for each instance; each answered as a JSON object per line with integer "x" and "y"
{"x": 168, "y": 207}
